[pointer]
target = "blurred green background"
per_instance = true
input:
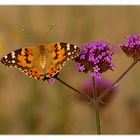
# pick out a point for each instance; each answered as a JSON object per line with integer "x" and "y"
{"x": 28, "y": 106}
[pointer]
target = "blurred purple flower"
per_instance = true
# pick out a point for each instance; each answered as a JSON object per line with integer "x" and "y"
{"x": 101, "y": 84}
{"x": 132, "y": 47}
{"x": 95, "y": 57}
{"x": 51, "y": 80}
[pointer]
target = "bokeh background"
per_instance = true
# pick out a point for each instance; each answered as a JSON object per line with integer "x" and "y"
{"x": 28, "y": 106}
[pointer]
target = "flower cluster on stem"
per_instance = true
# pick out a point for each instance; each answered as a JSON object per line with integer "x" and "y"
{"x": 95, "y": 57}
{"x": 132, "y": 47}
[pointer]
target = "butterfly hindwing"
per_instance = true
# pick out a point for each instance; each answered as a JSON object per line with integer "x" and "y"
{"x": 34, "y": 73}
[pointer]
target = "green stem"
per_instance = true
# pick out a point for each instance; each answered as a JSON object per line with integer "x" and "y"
{"x": 117, "y": 81}
{"x": 76, "y": 91}
{"x": 96, "y": 106}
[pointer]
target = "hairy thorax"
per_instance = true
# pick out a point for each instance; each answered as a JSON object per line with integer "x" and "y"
{"x": 42, "y": 56}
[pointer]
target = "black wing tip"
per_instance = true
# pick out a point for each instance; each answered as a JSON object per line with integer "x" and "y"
{"x": 2, "y": 61}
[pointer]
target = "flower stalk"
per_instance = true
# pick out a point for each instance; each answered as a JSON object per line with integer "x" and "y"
{"x": 96, "y": 106}
{"x": 74, "y": 89}
{"x": 117, "y": 81}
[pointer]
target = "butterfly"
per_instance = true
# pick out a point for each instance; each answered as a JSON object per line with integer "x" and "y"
{"x": 43, "y": 61}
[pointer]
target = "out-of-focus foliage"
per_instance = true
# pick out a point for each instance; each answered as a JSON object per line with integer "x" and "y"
{"x": 29, "y": 106}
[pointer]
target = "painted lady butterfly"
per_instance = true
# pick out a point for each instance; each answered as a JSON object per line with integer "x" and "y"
{"x": 43, "y": 61}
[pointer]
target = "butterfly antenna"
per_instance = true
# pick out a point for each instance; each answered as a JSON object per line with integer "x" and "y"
{"x": 41, "y": 39}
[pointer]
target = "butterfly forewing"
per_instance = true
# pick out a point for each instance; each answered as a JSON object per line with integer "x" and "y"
{"x": 20, "y": 58}
{"x": 62, "y": 52}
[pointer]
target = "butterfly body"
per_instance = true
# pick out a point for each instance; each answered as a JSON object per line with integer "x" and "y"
{"x": 43, "y": 56}
{"x": 41, "y": 61}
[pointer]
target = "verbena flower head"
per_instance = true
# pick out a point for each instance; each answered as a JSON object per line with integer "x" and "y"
{"x": 132, "y": 47}
{"x": 95, "y": 57}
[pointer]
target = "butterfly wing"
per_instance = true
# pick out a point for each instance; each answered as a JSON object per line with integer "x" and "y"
{"x": 23, "y": 59}
{"x": 60, "y": 54}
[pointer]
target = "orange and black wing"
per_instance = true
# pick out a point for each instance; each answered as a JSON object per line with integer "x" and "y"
{"x": 23, "y": 59}
{"x": 60, "y": 54}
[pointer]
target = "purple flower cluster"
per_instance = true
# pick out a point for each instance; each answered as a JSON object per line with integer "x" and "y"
{"x": 95, "y": 57}
{"x": 101, "y": 84}
{"x": 132, "y": 47}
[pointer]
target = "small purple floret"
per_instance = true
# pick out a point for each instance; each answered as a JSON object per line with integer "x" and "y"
{"x": 51, "y": 80}
{"x": 80, "y": 67}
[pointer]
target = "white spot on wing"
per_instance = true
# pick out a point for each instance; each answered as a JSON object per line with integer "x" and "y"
{"x": 13, "y": 54}
{"x": 5, "y": 56}
{"x": 75, "y": 47}
{"x": 69, "y": 53}
{"x": 13, "y": 61}
{"x": 68, "y": 46}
